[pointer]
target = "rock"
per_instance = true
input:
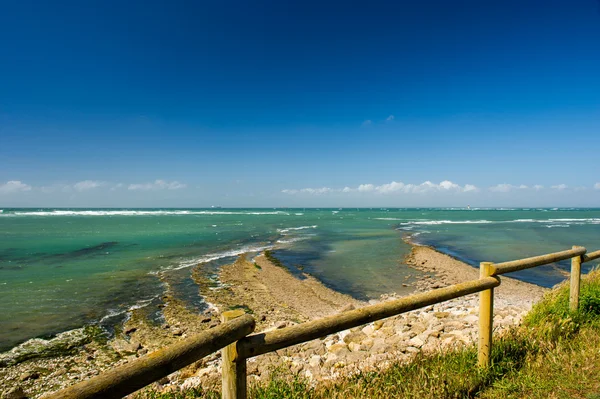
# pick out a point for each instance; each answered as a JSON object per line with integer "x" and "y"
{"x": 418, "y": 327}
{"x": 192, "y": 382}
{"x": 336, "y": 347}
{"x": 177, "y": 331}
{"x": 377, "y": 324}
{"x": 130, "y": 330}
{"x": 356, "y": 336}
{"x": 122, "y": 346}
{"x": 280, "y": 325}
{"x": 368, "y": 343}
{"x": 205, "y": 320}
{"x": 416, "y": 342}
{"x": 315, "y": 361}
{"x": 368, "y": 330}
{"x": 30, "y": 375}
{"x": 163, "y": 381}
{"x": 15, "y": 393}
{"x": 355, "y": 347}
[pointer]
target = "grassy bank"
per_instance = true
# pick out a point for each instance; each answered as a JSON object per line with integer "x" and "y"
{"x": 553, "y": 354}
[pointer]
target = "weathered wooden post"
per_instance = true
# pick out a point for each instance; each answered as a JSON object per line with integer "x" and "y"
{"x": 233, "y": 367}
{"x": 486, "y": 317}
{"x": 575, "y": 281}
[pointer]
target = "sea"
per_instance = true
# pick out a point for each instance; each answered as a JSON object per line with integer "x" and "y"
{"x": 61, "y": 269}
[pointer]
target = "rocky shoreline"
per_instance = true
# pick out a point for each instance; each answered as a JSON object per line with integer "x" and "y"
{"x": 277, "y": 299}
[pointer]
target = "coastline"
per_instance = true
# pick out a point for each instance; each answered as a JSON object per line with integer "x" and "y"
{"x": 447, "y": 270}
{"x": 278, "y": 299}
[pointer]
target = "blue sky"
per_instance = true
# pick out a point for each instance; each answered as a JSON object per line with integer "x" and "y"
{"x": 431, "y": 103}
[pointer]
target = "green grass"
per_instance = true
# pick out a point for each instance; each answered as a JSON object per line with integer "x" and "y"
{"x": 555, "y": 353}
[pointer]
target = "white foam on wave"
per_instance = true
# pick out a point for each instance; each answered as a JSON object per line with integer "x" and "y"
{"x": 142, "y": 303}
{"x": 139, "y": 213}
{"x": 287, "y": 230}
{"x": 293, "y": 240}
{"x": 438, "y": 222}
{"x": 565, "y": 221}
{"x": 215, "y": 256}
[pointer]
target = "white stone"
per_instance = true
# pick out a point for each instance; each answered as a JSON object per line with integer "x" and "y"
{"x": 368, "y": 330}
{"x": 315, "y": 361}
{"x": 192, "y": 382}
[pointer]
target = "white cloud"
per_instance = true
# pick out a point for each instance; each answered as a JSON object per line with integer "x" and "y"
{"x": 312, "y": 191}
{"x": 116, "y": 186}
{"x": 560, "y": 187}
{"x": 14, "y": 186}
{"x": 317, "y": 191}
{"x": 390, "y": 188}
{"x": 597, "y": 186}
{"x": 87, "y": 185}
{"x": 157, "y": 185}
{"x": 505, "y": 187}
{"x": 538, "y": 187}
{"x": 366, "y": 123}
{"x": 390, "y": 118}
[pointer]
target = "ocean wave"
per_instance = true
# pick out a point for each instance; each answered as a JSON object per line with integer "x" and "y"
{"x": 287, "y": 230}
{"x": 293, "y": 240}
{"x": 437, "y": 222}
{"x": 565, "y": 221}
{"x": 215, "y": 256}
{"x": 562, "y": 221}
{"x": 136, "y": 213}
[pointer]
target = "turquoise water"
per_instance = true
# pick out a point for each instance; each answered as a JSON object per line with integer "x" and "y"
{"x": 62, "y": 268}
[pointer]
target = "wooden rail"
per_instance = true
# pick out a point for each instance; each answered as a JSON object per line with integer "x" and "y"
{"x": 261, "y": 343}
{"x": 515, "y": 265}
{"x": 130, "y": 377}
{"x": 237, "y": 345}
{"x": 486, "y": 298}
{"x": 591, "y": 256}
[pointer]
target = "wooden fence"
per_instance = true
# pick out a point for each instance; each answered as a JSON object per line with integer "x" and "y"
{"x": 233, "y": 338}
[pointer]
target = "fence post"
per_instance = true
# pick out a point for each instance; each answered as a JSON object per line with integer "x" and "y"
{"x": 486, "y": 318}
{"x": 233, "y": 368}
{"x": 575, "y": 281}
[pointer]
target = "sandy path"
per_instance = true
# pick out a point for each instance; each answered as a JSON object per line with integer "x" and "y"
{"x": 273, "y": 294}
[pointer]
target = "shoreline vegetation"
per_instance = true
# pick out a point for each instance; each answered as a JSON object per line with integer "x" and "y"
{"x": 277, "y": 298}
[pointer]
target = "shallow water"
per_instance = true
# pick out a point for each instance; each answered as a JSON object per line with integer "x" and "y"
{"x": 60, "y": 269}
